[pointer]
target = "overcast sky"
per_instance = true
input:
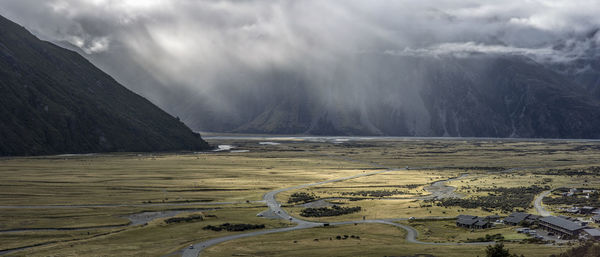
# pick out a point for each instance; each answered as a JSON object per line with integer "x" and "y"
{"x": 198, "y": 44}
{"x": 186, "y": 35}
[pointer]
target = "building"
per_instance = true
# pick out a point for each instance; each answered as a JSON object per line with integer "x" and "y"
{"x": 492, "y": 218}
{"x": 586, "y": 209}
{"x": 469, "y": 221}
{"x": 532, "y": 218}
{"x": 516, "y": 218}
{"x": 561, "y": 226}
{"x": 596, "y": 219}
{"x": 591, "y": 233}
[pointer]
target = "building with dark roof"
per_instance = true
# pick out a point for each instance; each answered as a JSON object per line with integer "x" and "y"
{"x": 533, "y": 218}
{"x": 465, "y": 217}
{"x": 469, "y": 221}
{"x": 492, "y": 218}
{"x": 560, "y": 226}
{"x": 591, "y": 233}
{"x": 516, "y": 218}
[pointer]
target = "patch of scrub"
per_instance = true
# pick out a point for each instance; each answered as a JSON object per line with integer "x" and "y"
{"x": 145, "y": 217}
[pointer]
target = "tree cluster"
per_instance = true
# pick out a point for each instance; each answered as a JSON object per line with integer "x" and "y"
{"x": 184, "y": 219}
{"x": 327, "y": 212}
{"x": 503, "y": 198}
{"x": 234, "y": 227}
{"x": 498, "y": 250}
{"x": 302, "y": 197}
{"x": 375, "y": 193}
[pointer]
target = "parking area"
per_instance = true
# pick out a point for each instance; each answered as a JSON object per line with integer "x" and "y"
{"x": 542, "y": 234}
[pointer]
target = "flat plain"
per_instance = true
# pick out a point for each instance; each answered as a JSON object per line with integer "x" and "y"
{"x": 121, "y": 204}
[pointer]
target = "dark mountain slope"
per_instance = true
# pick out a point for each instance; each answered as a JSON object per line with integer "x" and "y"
{"x": 473, "y": 96}
{"x": 52, "y": 100}
{"x": 509, "y": 97}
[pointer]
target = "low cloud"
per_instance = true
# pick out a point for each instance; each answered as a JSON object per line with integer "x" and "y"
{"x": 224, "y": 48}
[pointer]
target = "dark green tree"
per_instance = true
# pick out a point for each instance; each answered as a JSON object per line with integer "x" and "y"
{"x": 498, "y": 250}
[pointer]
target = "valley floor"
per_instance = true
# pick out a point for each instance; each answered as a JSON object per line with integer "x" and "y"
{"x": 159, "y": 204}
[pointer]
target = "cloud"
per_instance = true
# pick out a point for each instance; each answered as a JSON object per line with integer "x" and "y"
{"x": 467, "y": 49}
{"x": 217, "y": 50}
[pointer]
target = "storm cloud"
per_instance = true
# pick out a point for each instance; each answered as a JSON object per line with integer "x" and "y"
{"x": 214, "y": 51}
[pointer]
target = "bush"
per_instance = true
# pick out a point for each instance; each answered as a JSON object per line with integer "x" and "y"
{"x": 327, "y": 212}
{"x": 302, "y": 197}
{"x": 184, "y": 219}
{"x": 487, "y": 238}
{"x": 503, "y": 198}
{"x": 498, "y": 250}
{"x": 234, "y": 227}
{"x": 376, "y": 193}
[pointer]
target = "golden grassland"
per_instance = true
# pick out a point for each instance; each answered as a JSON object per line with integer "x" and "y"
{"x": 155, "y": 239}
{"x": 144, "y": 180}
{"x": 393, "y": 180}
{"x": 447, "y": 231}
{"x": 133, "y": 179}
{"x": 375, "y": 240}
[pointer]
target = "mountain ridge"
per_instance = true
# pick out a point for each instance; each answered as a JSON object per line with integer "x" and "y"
{"x": 55, "y": 101}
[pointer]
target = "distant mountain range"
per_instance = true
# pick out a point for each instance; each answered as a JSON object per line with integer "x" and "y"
{"x": 53, "y": 101}
{"x": 477, "y": 95}
{"x": 474, "y": 95}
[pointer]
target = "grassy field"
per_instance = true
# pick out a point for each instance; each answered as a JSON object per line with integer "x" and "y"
{"x": 128, "y": 183}
{"x": 447, "y": 231}
{"x": 164, "y": 178}
{"x": 375, "y": 240}
{"x": 155, "y": 239}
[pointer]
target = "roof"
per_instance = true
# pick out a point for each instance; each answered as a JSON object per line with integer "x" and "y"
{"x": 481, "y": 222}
{"x": 562, "y": 223}
{"x": 465, "y": 217}
{"x": 592, "y": 231}
{"x": 467, "y": 221}
{"x": 516, "y": 217}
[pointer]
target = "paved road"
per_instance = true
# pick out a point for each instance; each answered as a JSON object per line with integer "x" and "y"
{"x": 538, "y": 204}
{"x": 275, "y": 208}
{"x": 440, "y": 190}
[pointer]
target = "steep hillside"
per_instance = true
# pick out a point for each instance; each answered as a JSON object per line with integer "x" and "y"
{"x": 55, "y": 101}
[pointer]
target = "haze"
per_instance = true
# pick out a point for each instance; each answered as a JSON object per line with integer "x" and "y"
{"x": 217, "y": 64}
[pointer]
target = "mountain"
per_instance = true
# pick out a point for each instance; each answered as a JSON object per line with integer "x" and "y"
{"x": 55, "y": 101}
{"x": 474, "y": 96}
{"x": 374, "y": 93}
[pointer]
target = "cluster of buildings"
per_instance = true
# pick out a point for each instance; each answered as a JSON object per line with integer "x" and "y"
{"x": 574, "y": 191}
{"x": 470, "y": 221}
{"x": 561, "y": 226}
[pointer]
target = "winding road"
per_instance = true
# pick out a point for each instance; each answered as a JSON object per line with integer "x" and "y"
{"x": 538, "y": 204}
{"x": 439, "y": 190}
